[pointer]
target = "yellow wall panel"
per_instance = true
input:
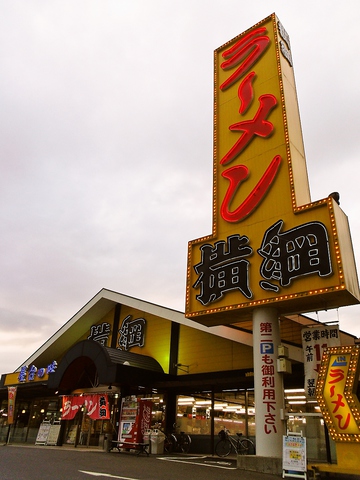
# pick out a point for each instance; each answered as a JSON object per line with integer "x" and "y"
{"x": 204, "y": 352}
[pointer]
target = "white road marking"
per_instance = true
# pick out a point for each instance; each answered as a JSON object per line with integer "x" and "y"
{"x": 211, "y": 464}
{"x": 99, "y": 474}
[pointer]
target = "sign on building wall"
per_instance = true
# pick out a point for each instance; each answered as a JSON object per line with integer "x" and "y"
{"x": 270, "y": 245}
{"x": 100, "y": 333}
{"x": 132, "y": 333}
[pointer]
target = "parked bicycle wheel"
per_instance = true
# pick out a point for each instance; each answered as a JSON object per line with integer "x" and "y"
{"x": 246, "y": 447}
{"x": 223, "y": 448}
{"x": 184, "y": 442}
{"x": 169, "y": 443}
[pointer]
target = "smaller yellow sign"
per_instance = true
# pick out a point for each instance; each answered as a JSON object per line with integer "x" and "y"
{"x": 336, "y": 392}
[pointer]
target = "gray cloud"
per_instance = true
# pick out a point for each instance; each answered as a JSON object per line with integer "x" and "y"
{"x": 106, "y": 158}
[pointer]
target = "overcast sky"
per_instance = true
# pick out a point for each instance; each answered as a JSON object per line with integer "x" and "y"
{"x": 106, "y": 145}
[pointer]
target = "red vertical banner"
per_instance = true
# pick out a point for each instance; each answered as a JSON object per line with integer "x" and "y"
{"x": 144, "y": 418}
{"x": 11, "y": 404}
{"x": 97, "y": 406}
{"x": 104, "y": 407}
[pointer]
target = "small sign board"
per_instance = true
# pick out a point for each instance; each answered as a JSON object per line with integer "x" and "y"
{"x": 53, "y": 435}
{"x": 294, "y": 456}
{"x": 43, "y": 433}
{"x": 48, "y": 433}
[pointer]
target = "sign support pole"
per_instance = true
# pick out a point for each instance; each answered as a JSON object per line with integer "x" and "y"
{"x": 268, "y": 383}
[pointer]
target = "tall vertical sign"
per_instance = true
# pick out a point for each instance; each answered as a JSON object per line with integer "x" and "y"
{"x": 11, "y": 404}
{"x": 272, "y": 251}
{"x": 270, "y": 245}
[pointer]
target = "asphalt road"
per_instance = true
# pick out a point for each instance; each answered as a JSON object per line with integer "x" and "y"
{"x": 45, "y": 463}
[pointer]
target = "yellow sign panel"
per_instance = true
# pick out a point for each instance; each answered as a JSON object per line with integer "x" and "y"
{"x": 13, "y": 379}
{"x": 270, "y": 244}
{"x": 336, "y": 392}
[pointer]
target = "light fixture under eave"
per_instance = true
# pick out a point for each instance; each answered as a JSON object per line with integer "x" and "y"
{"x": 186, "y": 400}
{"x": 182, "y": 367}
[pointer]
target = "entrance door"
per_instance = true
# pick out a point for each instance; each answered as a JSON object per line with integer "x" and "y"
{"x": 82, "y": 431}
{"x": 71, "y": 431}
{"x": 85, "y": 430}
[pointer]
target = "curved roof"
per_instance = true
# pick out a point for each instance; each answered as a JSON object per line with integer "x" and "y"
{"x": 92, "y": 364}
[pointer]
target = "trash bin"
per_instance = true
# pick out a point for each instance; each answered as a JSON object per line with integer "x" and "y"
{"x": 157, "y": 439}
{"x": 146, "y": 438}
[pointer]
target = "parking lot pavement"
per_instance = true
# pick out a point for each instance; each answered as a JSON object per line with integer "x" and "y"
{"x": 31, "y": 462}
{"x": 51, "y": 463}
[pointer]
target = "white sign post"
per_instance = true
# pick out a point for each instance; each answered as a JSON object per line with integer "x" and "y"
{"x": 294, "y": 456}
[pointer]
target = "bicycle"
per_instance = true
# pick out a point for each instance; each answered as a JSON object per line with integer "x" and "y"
{"x": 242, "y": 446}
{"x": 177, "y": 442}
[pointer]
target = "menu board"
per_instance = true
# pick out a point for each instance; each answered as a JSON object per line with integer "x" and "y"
{"x": 294, "y": 456}
{"x": 53, "y": 435}
{"x": 43, "y": 433}
{"x": 48, "y": 433}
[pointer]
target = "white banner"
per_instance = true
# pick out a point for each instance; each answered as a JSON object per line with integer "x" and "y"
{"x": 315, "y": 340}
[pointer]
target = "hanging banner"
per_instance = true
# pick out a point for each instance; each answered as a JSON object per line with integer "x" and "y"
{"x": 11, "y": 404}
{"x": 315, "y": 340}
{"x": 70, "y": 406}
{"x": 97, "y": 406}
{"x": 145, "y": 416}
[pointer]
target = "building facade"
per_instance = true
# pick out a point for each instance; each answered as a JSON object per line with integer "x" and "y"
{"x": 197, "y": 378}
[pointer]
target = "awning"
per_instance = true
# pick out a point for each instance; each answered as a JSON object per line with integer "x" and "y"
{"x": 89, "y": 364}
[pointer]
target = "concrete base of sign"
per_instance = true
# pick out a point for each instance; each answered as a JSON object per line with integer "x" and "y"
{"x": 315, "y": 470}
{"x": 254, "y": 463}
{"x": 348, "y": 461}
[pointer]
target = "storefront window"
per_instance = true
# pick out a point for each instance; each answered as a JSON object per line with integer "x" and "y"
{"x": 233, "y": 409}
{"x": 312, "y": 427}
{"x": 158, "y": 411}
{"x": 303, "y": 416}
{"x": 3, "y": 421}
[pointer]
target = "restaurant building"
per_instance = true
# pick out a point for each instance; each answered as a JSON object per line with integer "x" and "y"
{"x": 243, "y": 356}
{"x": 199, "y": 378}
